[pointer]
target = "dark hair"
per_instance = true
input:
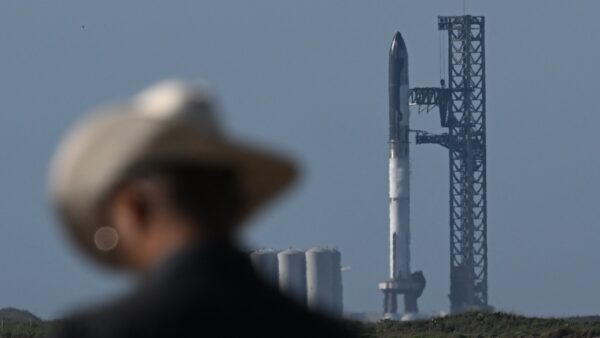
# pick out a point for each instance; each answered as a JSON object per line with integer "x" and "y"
{"x": 206, "y": 194}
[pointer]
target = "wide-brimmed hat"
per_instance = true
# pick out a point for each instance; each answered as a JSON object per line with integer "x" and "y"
{"x": 172, "y": 121}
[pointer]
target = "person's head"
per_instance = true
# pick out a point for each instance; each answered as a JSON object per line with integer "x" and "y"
{"x": 161, "y": 207}
{"x": 141, "y": 179}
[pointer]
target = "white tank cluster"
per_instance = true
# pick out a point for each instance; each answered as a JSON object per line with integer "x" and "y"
{"x": 312, "y": 278}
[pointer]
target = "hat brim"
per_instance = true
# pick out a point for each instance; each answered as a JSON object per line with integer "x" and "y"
{"x": 263, "y": 175}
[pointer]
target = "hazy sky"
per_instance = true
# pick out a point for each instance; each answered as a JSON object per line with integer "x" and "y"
{"x": 311, "y": 78}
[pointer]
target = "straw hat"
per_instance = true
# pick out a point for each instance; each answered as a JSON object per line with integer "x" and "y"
{"x": 170, "y": 121}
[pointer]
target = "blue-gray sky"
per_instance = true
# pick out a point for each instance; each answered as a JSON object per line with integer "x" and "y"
{"x": 310, "y": 77}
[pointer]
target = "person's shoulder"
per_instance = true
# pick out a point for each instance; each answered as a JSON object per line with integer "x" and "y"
{"x": 109, "y": 319}
{"x": 252, "y": 311}
{"x": 320, "y": 326}
{"x": 291, "y": 319}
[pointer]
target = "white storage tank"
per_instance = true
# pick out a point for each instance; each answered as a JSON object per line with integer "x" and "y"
{"x": 265, "y": 263}
{"x": 292, "y": 274}
{"x": 337, "y": 305}
{"x": 324, "y": 281}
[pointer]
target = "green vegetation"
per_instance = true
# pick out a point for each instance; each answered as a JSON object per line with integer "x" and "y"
{"x": 484, "y": 324}
{"x": 15, "y": 323}
{"x": 24, "y": 330}
{"x": 471, "y": 324}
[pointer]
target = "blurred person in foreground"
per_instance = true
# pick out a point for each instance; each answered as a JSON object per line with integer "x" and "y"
{"x": 153, "y": 186}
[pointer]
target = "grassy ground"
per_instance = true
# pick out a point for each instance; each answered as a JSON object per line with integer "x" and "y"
{"x": 481, "y": 324}
{"x": 24, "y": 330}
{"x": 472, "y": 324}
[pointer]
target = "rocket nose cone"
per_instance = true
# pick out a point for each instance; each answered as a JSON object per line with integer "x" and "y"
{"x": 398, "y": 36}
{"x": 398, "y": 47}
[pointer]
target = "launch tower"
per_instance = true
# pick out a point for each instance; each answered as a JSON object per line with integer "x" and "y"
{"x": 462, "y": 111}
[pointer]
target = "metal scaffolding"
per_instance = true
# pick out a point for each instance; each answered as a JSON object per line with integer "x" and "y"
{"x": 462, "y": 111}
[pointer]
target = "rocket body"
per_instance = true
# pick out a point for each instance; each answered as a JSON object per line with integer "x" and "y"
{"x": 401, "y": 280}
{"x": 399, "y": 166}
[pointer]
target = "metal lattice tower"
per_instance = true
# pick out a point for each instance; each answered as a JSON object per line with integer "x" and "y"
{"x": 462, "y": 111}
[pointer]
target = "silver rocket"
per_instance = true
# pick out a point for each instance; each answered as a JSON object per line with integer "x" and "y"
{"x": 401, "y": 281}
{"x": 399, "y": 166}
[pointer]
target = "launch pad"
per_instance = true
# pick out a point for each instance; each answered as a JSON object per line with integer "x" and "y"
{"x": 411, "y": 288}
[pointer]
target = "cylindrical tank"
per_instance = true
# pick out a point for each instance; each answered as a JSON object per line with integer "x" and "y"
{"x": 265, "y": 263}
{"x": 324, "y": 280}
{"x": 337, "y": 306}
{"x": 292, "y": 274}
{"x": 319, "y": 279}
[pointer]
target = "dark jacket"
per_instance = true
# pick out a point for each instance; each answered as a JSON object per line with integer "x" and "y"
{"x": 206, "y": 291}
